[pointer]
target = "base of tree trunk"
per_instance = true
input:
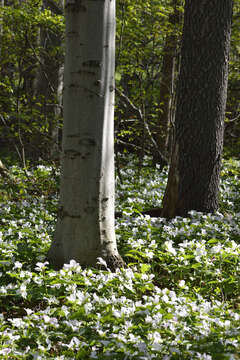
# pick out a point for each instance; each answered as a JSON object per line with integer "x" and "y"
{"x": 56, "y": 262}
{"x": 155, "y": 212}
{"x": 115, "y": 262}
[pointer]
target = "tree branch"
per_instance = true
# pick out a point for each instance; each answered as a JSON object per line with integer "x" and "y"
{"x": 138, "y": 113}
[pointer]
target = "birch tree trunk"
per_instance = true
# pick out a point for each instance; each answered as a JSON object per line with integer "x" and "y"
{"x": 193, "y": 179}
{"x": 85, "y": 225}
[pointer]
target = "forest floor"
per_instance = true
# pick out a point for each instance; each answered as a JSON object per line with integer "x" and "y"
{"x": 179, "y": 297}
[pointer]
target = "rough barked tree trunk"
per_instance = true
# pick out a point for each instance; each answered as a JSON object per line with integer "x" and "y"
{"x": 201, "y": 97}
{"x": 85, "y": 226}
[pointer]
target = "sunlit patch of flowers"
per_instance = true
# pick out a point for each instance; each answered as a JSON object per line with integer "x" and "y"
{"x": 177, "y": 299}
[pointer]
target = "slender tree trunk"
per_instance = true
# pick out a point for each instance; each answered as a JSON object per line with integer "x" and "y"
{"x": 167, "y": 84}
{"x": 85, "y": 226}
{"x": 201, "y": 98}
{"x": 49, "y": 77}
{"x": 1, "y": 27}
{"x": 58, "y": 115}
{"x": 3, "y": 170}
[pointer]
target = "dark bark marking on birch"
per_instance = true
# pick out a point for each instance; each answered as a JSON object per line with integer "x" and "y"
{"x": 72, "y": 154}
{"x": 84, "y": 72}
{"x": 87, "y": 142}
{"x": 97, "y": 83}
{"x": 92, "y": 63}
{"x": 75, "y": 6}
{"x": 72, "y": 85}
{"x": 72, "y": 34}
{"x": 73, "y": 135}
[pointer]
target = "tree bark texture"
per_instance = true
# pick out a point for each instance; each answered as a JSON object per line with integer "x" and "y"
{"x": 85, "y": 226}
{"x": 193, "y": 180}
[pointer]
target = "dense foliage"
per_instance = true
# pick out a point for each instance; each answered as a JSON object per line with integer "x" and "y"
{"x": 31, "y": 57}
{"x": 177, "y": 299}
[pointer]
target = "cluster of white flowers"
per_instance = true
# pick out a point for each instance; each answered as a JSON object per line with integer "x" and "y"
{"x": 173, "y": 301}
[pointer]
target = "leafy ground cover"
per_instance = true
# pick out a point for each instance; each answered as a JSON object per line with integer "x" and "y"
{"x": 177, "y": 299}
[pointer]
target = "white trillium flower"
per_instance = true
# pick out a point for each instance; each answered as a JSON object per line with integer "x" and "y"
{"x": 168, "y": 246}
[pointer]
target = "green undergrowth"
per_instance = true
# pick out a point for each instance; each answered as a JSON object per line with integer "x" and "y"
{"x": 177, "y": 299}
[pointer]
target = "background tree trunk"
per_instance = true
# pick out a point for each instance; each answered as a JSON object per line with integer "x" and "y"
{"x": 167, "y": 83}
{"x": 85, "y": 226}
{"x": 1, "y": 32}
{"x": 201, "y": 97}
{"x": 49, "y": 77}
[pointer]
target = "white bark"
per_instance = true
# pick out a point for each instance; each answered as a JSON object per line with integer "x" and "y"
{"x": 85, "y": 226}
